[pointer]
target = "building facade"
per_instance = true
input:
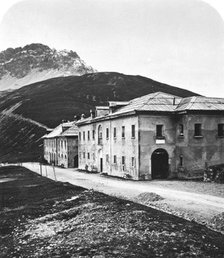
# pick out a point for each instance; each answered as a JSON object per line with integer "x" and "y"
{"x": 155, "y": 136}
{"x": 61, "y": 145}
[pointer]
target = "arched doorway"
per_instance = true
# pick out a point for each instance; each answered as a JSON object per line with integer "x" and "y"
{"x": 159, "y": 164}
{"x": 76, "y": 161}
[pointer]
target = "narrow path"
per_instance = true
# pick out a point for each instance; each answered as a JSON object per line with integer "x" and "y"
{"x": 186, "y": 203}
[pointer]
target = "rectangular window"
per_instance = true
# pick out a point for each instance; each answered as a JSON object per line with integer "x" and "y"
{"x": 221, "y": 130}
{"x": 115, "y": 159}
{"x": 83, "y": 136}
{"x": 84, "y": 154}
{"x": 123, "y": 162}
{"x": 93, "y": 134}
{"x": 88, "y": 135}
{"x": 181, "y": 160}
{"x": 107, "y": 133}
{"x": 80, "y": 136}
{"x": 159, "y": 131}
{"x": 181, "y": 129}
{"x": 93, "y": 156}
{"x": 107, "y": 158}
{"x": 197, "y": 130}
{"x": 123, "y": 131}
{"x": 133, "y": 131}
{"x": 132, "y": 161}
{"x": 115, "y": 132}
{"x": 88, "y": 155}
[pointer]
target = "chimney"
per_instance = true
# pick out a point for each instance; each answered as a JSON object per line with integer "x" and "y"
{"x": 75, "y": 118}
{"x": 91, "y": 113}
{"x": 174, "y": 100}
{"x": 82, "y": 116}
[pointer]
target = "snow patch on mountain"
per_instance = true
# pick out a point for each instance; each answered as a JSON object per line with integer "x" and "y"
{"x": 37, "y": 62}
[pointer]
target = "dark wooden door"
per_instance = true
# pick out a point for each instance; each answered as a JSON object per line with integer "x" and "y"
{"x": 101, "y": 164}
{"x": 76, "y": 160}
{"x": 159, "y": 162}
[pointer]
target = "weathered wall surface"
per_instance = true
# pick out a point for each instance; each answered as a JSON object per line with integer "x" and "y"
{"x": 67, "y": 150}
{"x": 72, "y": 150}
{"x": 50, "y": 150}
{"x": 193, "y": 152}
{"x": 149, "y": 143}
{"x": 197, "y": 151}
{"x": 110, "y": 147}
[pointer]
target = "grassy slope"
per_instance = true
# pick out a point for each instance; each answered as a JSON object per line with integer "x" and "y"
{"x": 37, "y": 219}
{"x": 20, "y": 139}
{"x": 52, "y": 100}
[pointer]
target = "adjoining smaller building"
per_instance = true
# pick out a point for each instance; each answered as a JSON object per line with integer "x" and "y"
{"x": 61, "y": 145}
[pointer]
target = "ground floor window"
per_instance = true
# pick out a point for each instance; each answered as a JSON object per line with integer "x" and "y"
{"x": 132, "y": 161}
{"x": 181, "y": 161}
{"x": 220, "y": 130}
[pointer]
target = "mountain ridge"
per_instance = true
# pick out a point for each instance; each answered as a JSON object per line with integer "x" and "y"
{"x": 35, "y": 62}
{"x": 51, "y": 101}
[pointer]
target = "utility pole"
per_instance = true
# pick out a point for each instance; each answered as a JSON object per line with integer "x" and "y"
{"x": 46, "y": 170}
{"x": 54, "y": 172}
{"x": 40, "y": 169}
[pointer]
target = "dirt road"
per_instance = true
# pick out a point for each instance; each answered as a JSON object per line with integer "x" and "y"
{"x": 192, "y": 200}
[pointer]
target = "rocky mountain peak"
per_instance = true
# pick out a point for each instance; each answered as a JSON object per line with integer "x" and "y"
{"x": 36, "y": 62}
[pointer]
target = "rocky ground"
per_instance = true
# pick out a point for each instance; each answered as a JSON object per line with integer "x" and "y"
{"x": 43, "y": 218}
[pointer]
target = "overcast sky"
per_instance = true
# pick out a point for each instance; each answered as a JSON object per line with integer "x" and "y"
{"x": 178, "y": 42}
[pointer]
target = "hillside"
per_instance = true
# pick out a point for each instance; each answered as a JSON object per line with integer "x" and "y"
{"x": 37, "y": 62}
{"x": 53, "y": 100}
{"x": 20, "y": 139}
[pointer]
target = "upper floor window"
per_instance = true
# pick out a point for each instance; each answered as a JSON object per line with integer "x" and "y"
{"x": 197, "y": 130}
{"x": 88, "y": 135}
{"x": 123, "y": 131}
{"x": 159, "y": 131}
{"x": 100, "y": 135}
{"x": 80, "y": 136}
{"x": 93, "y": 134}
{"x": 221, "y": 130}
{"x": 83, "y": 136}
{"x": 115, "y": 132}
{"x": 133, "y": 131}
{"x": 181, "y": 129}
{"x": 132, "y": 161}
{"x": 107, "y": 133}
{"x": 107, "y": 158}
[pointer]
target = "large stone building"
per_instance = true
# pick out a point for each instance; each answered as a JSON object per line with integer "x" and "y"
{"x": 155, "y": 136}
{"x": 61, "y": 145}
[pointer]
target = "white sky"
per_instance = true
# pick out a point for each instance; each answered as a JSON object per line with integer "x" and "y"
{"x": 178, "y": 42}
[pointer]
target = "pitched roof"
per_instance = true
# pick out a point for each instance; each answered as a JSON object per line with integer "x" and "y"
{"x": 72, "y": 131}
{"x": 158, "y": 101}
{"x": 162, "y": 102}
{"x": 58, "y": 130}
{"x": 201, "y": 103}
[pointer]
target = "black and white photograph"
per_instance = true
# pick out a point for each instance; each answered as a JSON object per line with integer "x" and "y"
{"x": 111, "y": 128}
